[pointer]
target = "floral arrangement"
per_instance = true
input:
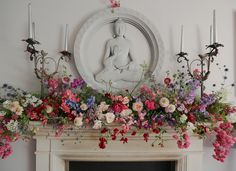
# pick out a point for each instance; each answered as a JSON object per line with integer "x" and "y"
{"x": 154, "y": 106}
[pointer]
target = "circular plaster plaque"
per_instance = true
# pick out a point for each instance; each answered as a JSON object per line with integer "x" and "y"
{"x": 90, "y": 49}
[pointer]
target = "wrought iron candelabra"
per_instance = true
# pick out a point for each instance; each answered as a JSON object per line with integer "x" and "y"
{"x": 204, "y": 61}
{"x": 41, "y": 59}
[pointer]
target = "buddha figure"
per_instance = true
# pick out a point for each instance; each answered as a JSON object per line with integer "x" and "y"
{"x": 119, "y": 63}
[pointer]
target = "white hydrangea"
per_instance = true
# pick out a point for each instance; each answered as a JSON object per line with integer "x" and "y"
{"x": 2, "y": 113}
{"x": 183, "y": 118}
{"x": 231, "y": 117}
{"x": 12, "y": 125}
{"x": 31, "y": 100}
{"x": 190, "y": 126}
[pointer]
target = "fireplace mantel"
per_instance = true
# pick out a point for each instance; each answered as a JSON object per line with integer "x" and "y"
{"x": 52, "y": 153}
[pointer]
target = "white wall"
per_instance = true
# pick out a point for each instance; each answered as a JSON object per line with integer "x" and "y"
{"x": 167, "y": 15}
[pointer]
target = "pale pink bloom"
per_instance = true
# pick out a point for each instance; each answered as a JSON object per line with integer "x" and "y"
{"x": 164, "y": 102}
{"x": 137, "y": 106}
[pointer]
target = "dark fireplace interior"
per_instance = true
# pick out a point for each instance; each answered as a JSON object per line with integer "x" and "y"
{"x": 122, "y": 166}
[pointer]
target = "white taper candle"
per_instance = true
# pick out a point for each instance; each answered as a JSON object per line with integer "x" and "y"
{"x": 66, "y": 38}
{"x": 33, "y": 28}
{"x": 214, "y": 26}
{"x": 210, "y": 34}
{"x": 182, "y": 39}
{"x": 30, "y": 21}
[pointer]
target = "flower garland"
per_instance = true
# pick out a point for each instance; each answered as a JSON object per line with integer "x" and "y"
{"x": 174, "y": 103}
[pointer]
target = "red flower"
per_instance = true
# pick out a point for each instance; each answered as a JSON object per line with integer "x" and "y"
{"x": 156, "y": 131}
{"x": 124, "y": 140}
{"x": 150, "y": 104}
{"x": 133, "y": 133}
{"x": 192, "y": 118}
{"x": 167, "y": 81}
{"x": 115, "y": 130}
{"x": 114, "y": 3}
{"x": 104, "y": 130}
{"x": 146, "y": 136}
{"x": 118, "y": 107}
{"x": 102, "y": 143}
{"x": 113, "y": 137}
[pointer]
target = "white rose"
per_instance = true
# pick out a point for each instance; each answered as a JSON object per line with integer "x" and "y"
{"x": 97, "y": 124}
{"x": 19, "y": 110}
{"x": 6, "y": 104}
{"x": 190, "y": 126}
{"x": 99, "y": 114}
{"x": 49, "y": 109}
{"x": 83, "y": 107}
{"x": 125, "y": 113}
{"x": 170, "y": 109}
{"x": 78, "y": 121}
{"x": 231, "y": 117}
{"x": 183, "y": 118}
{"x": 110, "y": 117}
{"x": 164, "y": 102}
{"x": 103, "y": 106}
{"x": 125, "y": 100}
{"x": 137, "y": 106}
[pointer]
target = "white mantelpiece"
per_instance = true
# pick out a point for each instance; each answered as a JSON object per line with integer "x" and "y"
{"x": 52, "y": 153}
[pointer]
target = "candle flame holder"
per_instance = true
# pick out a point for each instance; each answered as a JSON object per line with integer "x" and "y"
{"x": 203, "y": 60}
{"x": 41, "y": 59}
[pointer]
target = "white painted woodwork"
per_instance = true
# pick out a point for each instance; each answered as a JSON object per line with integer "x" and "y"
{"x": 53, "y": 153}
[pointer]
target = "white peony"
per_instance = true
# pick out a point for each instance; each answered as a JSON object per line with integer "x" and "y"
{"x": 110, "y": 117}
{"x": 125, "y": 113}
{"x": 183, "y": 118}
{"x": 103, "y": 106}
{"x": 97, "y": 124}
{"x": 190, "y": 126}
{"x": 83, "y": 107}
{"x": 137, "y": 106}
{"x": 19, "y": 110}
{"x": 231, "y": 117}
{"x": 170, "y": 108}
{"x": 125, "y": 100}
{"x": 164, "y": 102}
{"x": 78, "y": 121}
{"x": 49, "y": 109}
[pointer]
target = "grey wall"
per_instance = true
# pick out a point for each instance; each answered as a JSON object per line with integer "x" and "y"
{"x": 167, "y": 15}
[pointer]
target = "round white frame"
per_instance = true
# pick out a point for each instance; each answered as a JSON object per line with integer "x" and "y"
{"x": 129, "y": 16}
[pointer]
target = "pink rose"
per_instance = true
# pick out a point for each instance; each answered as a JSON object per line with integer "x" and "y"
{"x": 150, "y": 104}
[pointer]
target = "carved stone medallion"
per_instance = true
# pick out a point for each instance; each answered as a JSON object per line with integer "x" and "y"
{"x": 110, "y": 49}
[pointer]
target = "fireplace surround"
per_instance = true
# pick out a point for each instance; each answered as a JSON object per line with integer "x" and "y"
{"x": 53, "y": 153}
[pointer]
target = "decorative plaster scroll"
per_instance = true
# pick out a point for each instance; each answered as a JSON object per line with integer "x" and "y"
{"x": 82, "y": 50}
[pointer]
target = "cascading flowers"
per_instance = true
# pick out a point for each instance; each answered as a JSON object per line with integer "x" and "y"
{"x": 154, "y": 106}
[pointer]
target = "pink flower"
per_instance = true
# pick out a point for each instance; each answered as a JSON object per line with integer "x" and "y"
{"x": 118, "y": 107}
{"x": 65, "y": 80}
{"x": 137, "y": 106}
{"x": 150, "y": 104}
{"x": 115, "y": 3}
{"x": 53, "y": 83}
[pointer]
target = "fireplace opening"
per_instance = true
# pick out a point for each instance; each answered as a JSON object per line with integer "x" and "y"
{"x": 122, "y": 166}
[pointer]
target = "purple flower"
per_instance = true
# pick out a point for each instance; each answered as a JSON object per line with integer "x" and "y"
{"x": 208, "y": 99}
{"x": 77, "y": 83}
{"x": 91, "y": 101}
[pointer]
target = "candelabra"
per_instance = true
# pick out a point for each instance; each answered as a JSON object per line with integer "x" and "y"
{"x": 41, "y": 59}
{"x": 204, "y": 61}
